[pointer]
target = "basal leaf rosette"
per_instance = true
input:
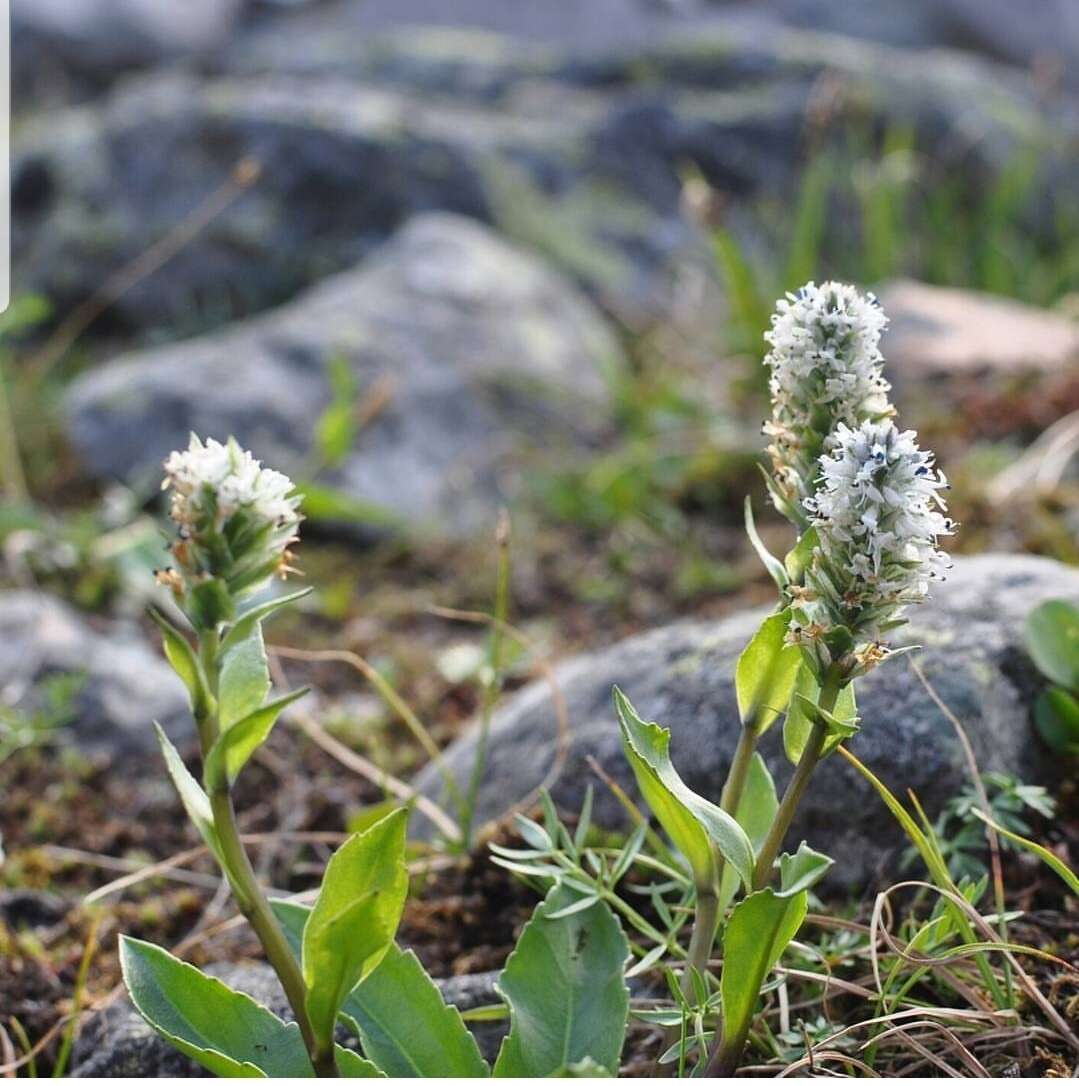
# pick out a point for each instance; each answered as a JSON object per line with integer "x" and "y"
{"x": 235, "y": 523}
{"x": 878, "y": 515}
{"x": 826, "y": 369}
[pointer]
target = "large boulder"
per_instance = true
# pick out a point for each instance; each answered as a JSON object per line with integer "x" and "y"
{"x": 681, "y": 676}
{"x": 469, "y": 350}
{"x": 119, "y": 1044}
{"x": 120, "y": 684}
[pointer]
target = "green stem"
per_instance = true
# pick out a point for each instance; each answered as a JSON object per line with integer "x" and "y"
{"x": 241, "y": 877}
{"x": 706, "y": 918}
{"x": 728, "y": 1053}
{"x": 254, "y": 906}
{"x": 702, "y": 940}
{"x": 788, "y": 807}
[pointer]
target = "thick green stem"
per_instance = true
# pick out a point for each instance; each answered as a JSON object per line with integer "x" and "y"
{"x": 788, "y": 807}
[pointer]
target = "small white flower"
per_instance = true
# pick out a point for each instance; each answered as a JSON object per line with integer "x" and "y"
{"x": 826, "y": 369}
{"x": 236, "y": 519}
{"x": 227, "y": 479}
{"x": 878, "y": 514}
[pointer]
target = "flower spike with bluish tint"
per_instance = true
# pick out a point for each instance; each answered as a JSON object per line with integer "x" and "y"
{"x": 235, "y": 521}
{"x": 878, "y": 515}
{"x": 826, "y": 369}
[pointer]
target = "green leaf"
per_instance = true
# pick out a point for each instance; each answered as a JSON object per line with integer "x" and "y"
{"x": 225, "y": 1031}
{"x": 774, "y": 566}
{"x": 196, "y": 802}
{"x": 405, "y": 1025}
{"x": 765, "y": 673}
{"x": 565, "y": 988}
{"x": 335, "y": 430}
{"x": 802, "y": 871}
{"x": 245, "y": 678}
{"x": 799, "y": 558}
{"x": 756, "y": 813}
{"x": 692, "y": 822}
{"x": 352, "y": 925}
{"x": 1056, "y": 714}
{"x": 759, "y": 930}
{"x": 327, "y": 503}
{"x": 243, "y": 626}
{"x": 1050, "y": 859}
{"x": 353, "y": 1065}
{"x": 799, "y": 723}
{"x": 233, "y": 748}
{"x": 185, "y": 663}
{"x": 1053, "y": 642}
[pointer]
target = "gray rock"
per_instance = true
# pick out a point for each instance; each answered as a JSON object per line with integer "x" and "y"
{"x": 941, "y": 332}
{"x": 119, "y": 1044}
{"x": 339, "y": 171}
{"x": 479, "y": 349}
{"x": 577, "y": 154}
{"x": 681, "y": 676}
{"x": 66, "y": 50}
{"x": 124, "y": 684}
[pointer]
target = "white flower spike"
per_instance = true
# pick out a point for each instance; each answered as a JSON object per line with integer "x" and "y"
{"x": 878, "y": 515}
{"x": 826, "y": 369}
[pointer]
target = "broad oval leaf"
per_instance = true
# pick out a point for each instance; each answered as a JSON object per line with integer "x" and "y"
{"x": 1053, "y": 641}
{"x": 566, "y": 991}
{"x": 765, "y": 673}
{"x": 233, "y": 748}
{"x": 799, "y": 723}
{"x": 196, "y": 802}
{"x": 803, "y": 870}
{"x": 406, "y": 1027}
{"x": 693, "y": 823}
{"x": 759, "y": 930}
{"x": 353, "y": 922}
{"x": 225, "y": 1031}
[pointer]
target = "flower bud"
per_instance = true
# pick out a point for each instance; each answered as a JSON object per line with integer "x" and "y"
{"x": 235, "y": 521}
